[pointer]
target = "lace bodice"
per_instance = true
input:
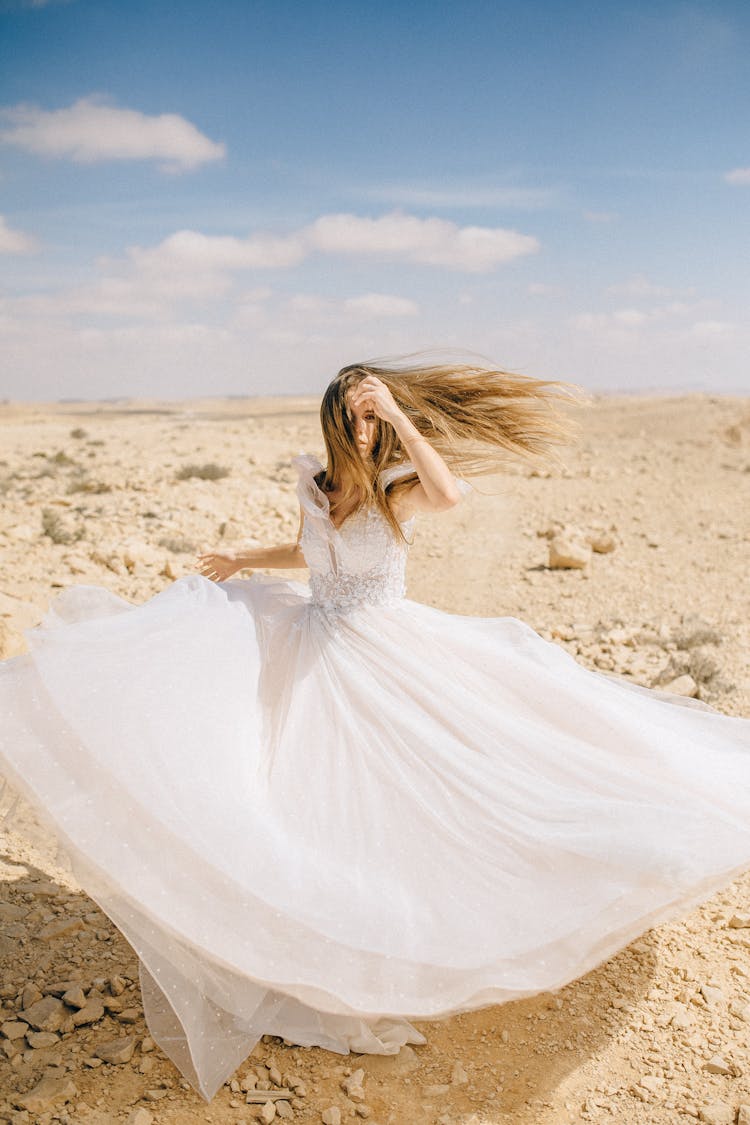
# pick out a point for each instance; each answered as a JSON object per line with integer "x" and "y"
{"x": 359, "y": 563}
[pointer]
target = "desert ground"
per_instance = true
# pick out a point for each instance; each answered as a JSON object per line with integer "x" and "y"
{"x": 650, "y": 509}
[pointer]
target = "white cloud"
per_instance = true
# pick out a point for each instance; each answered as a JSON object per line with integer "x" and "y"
{"x": 394, "y": 236}
{"x": 738, "y": 176}
{"x": 189, "y": 249}
{"x": 91, "y": 131}
{"x": 434, "y": 242}
{"x": 15, "y": 241}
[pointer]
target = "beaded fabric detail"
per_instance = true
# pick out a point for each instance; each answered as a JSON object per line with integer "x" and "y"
{"x": 359, "y": 563}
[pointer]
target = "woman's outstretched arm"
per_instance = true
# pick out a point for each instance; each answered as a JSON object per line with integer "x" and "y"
{"x": 286, "y": 556}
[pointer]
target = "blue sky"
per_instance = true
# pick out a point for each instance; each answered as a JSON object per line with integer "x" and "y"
{"x": 241, "y": 197}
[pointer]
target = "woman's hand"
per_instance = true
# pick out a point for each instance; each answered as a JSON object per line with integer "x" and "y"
{"x": 217, "y": 567}
{"x": 373, "y": 392}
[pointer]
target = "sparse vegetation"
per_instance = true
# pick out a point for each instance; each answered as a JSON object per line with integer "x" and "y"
{"x": 84, "y": 483}
{"x": 54, "y": 527}
{"x": 177, "y": 546}
{"x": 209, "y": 471}
{"x": 78, "y": 432}
{"x": 61, "y": 458}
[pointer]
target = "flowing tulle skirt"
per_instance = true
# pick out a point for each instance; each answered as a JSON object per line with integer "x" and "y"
{"x": 322, "y": 826}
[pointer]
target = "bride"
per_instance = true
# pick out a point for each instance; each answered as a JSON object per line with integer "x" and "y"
{"x": 323, "y": 810}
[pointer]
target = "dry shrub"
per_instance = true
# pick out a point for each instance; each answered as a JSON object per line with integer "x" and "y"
{"x": 209, "y": 471}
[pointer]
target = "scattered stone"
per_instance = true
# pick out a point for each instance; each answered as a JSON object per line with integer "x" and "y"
{"x": 92, "y": 1011}
{"x": 116, "y": 1050}
{"x": 352, "y": 1085}
{"x": 717, "y": 1113}
{"x": 48, "y": 1094}
{"x": 712, "y": 995}
{"x": 30, "y": 995}
{"x": 75, "y": 997}
{"x": 331, "y": 1116}
{"x": 140, "y": 1116}
{"x": 717, "y": 1064}
{"x": 41, "y": 1039}
{"x": 459, "y": 1077}
{"x": 46, "y": 1015}
{"x": 682, "y": 685}
{"x": 567, "y": 552}
{"x": 59, "y": 928}
{"x": 117, "y": 985}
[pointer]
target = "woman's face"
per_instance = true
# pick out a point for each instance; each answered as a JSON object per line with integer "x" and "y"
{"x": 364, "y": 424}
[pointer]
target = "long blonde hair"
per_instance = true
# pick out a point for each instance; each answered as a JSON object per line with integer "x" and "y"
{"x": 475, "y": 416}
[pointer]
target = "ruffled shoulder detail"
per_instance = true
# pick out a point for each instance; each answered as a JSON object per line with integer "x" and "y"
{"x": 313, "y": 500}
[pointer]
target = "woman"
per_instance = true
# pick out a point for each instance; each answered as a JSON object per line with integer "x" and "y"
{"x": 322, "y": 811}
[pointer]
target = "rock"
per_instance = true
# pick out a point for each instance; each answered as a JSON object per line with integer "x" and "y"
{"x": 74, "y": 997}
{"x": 602, "y": 542}
{"x": 284, "y": 1109}
{"x": 712, "y": 995}
{"x": 116, "y": 1050}
{"x": 331, "y": 1116}
{"x": 59, "y": 928}
{"x": 140, "y": 1116}
{"x": 683, "y": 685}
{"x": 717, "y": 1064}
{"x": 46, "y": 1015}
{"x": 41, "y": 1039}
{"x": 139, "y": 557}
{"x": 147, "y": 1044}
{"x": 14, "y": 1029}
{"x": 352, "y": 1085}
{"x": 739, "y": 922}
{"x": 129, "y": 1015}
{"x": 459, "y": 1077}
{"x": 30, "y": 995}
{"x": 717, "y": 1113}
{"x": 60, "y": 987}
{"x": 267, "y": 1112}
{"x": 743, "y": 1115}
{"x": 568, "y": 552}
{"x": 48, "y": 1094}
{"x": 116, "y": 985}
{"x": 92, "y": 1011}
{"x": 9, "y": 912}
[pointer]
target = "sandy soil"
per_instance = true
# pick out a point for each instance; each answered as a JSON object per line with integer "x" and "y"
{"x": 660, "y": 487}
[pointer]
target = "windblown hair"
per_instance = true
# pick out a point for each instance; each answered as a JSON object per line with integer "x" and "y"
{"x": 476, "y": 417}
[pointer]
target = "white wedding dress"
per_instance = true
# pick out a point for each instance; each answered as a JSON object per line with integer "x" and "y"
{"x": 322, "y": 811}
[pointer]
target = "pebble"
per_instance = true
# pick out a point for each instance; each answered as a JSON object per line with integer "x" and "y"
{"x": 116, "y": 1050}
